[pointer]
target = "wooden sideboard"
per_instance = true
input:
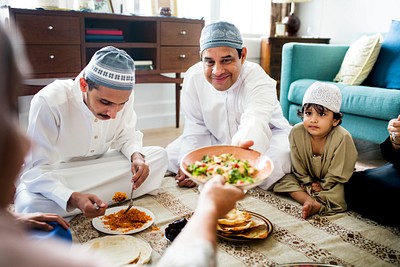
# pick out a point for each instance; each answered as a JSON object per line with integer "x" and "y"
{"x": 271, "y": 53}
{"x": 58, "y": 46}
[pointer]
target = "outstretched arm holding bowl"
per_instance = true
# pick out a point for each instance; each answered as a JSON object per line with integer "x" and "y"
{"x": 195, "y": 245}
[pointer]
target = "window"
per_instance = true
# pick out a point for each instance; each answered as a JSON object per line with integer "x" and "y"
{"x": 252, "y": 17}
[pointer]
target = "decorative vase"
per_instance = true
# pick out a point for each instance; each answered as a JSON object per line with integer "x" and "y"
{"x": 165, "y": 11}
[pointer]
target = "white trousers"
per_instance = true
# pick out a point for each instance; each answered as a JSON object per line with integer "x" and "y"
{"x": 103, "y": 177}
{"x": 278, "y": 152}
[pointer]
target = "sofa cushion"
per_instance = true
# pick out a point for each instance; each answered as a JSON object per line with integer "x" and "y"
{"x": 385, "y": 72}
{"x": 359, "y": 60}
{"x": 374, "y": 102}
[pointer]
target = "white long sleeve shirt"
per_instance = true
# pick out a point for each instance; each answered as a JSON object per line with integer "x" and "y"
{"x": 63, "y": 129}
{"x": 248, "y": 110}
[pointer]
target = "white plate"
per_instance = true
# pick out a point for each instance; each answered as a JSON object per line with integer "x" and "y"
{"x": 99, "y": 225}
{"x": 128, "y": 249}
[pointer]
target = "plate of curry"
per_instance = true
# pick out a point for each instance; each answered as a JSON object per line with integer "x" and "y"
{"x": 115, "y": 222}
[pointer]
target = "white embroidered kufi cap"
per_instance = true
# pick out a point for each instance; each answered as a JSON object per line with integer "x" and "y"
{"x": 324, "y": 94}
{"x": 220, "y": 34}
{"x": 113, "y": 68}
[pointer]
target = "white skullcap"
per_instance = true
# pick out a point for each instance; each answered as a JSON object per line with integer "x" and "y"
{"x": 220, "y": 33}
{"x": 324, "y": 94}
{"x": 113, "y": 68}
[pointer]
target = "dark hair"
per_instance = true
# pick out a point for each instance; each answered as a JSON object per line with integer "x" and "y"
{"x": 319, "y": 109}
{"x": 91, "y": 84}
{"x": 239, "y": 52}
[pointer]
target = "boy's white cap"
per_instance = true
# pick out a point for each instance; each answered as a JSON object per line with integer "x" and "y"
{"x": 324, "y": 94}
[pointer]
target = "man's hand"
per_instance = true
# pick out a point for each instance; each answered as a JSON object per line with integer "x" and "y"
{"x": 394, "y": 131}
{"x": 139, "y": 169}
{"x": 246, "y": 143}
{"x": 219, "y": 197}
{"x": 90, "y": 204}
{"x": 40, "y": 220}
{"x": 183, "y": 181}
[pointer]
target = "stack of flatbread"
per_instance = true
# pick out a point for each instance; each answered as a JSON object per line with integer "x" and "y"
{"x": 120, "y": 250}
{"x": 241, "y": 224}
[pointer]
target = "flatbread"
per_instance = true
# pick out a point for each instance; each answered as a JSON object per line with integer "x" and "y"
{"x": 119, "y": 250}
{"x": 235, "y": 217}
{"x": 259, "y": 232}
{"x": 239, "y": 227}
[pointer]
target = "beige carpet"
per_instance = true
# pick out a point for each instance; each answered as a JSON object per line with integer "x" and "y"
{"x": 344, "y": 239}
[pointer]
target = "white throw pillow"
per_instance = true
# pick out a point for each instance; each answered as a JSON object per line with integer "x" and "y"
{"x": 359, "y": 60}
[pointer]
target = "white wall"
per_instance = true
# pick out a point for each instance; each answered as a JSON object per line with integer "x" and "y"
{"x": 344, "y": 20}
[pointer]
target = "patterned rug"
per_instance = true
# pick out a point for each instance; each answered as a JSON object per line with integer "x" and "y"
{"x": 344, "y": 239}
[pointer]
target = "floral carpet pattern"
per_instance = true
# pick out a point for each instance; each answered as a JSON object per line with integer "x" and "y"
{"x": 344, "y": 239}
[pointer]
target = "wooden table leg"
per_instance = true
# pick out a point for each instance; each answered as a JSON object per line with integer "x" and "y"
{"x": 178, "y": 88}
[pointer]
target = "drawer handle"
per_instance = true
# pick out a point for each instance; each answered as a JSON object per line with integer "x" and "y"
{"x": 182, "y": 33}
{"x": 51, "y": 56}
{"x": 50, "y": 27}
{"x": 182, "y": 56}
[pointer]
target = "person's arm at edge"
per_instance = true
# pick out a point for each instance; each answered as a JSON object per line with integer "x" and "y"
{"x": 196, "y": 244}
{"x": 390, "y": 148}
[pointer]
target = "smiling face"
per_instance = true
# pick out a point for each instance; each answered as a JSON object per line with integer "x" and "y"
{"x": 104, "y": 102}
{"x": 319, "y": 123}
{"x": 222, "y": 66}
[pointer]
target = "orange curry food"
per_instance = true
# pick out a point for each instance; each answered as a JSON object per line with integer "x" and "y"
{"x": 131, "y": 220}
{"x": 119, "y": 196}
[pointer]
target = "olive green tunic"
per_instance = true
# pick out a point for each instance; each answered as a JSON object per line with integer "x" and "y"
{"x": 331, "y": 169}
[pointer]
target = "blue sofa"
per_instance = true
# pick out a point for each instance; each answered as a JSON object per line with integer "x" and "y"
{"x": 366, "y": 110}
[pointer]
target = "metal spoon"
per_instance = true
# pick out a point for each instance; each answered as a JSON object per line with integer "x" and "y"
{"x": 131, "y": 201}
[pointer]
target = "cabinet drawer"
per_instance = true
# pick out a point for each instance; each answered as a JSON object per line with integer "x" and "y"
{"x": 179, "y": 57}
{"x": 175, "y": 33}
{"x": 49, "y": 29}
{"x": 52, "y": 59}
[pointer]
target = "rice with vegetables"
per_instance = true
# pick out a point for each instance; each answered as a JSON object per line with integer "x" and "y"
{"x": 235, "y": 171}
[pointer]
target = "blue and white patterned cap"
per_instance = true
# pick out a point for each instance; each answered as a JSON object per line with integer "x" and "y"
{"x": 220, "y": 34}
{"x": 113, "y": 68}
{"x": 324, "y": 94}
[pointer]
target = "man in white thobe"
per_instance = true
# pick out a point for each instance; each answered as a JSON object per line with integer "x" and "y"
{"x": 86, "y": 147}
{"x": 227, "y": 99}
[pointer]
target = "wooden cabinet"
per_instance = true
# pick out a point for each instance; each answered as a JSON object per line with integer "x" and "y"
{"x": 178, "y": 33}
{"x": 58, "y": 46}
{"x": 54, "y": 60}
{"x": 51, "y": 43}
{"x": 48, "y": 29}
{"x": 173, "y": 35}
{"x": 271, "y": 53}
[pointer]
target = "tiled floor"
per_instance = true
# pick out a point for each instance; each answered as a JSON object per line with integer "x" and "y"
{"x": 368, "y": 153}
